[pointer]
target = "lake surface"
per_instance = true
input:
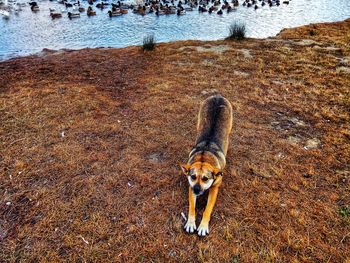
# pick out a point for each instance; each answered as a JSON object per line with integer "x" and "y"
{"x": 29, "y": 32}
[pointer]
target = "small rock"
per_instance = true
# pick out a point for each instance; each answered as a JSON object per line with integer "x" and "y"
{"x": 156, "y": 157}
{"x": 209, "y": 92}
{"x": 312, "y": 144}
{"x": 240, "y": 73}
{"x": 345, "y": 62}
{"x": 246, "y": 53}
{"x": 345, "y": 70}
{"x": 294, "y": 139}
{"x": 3, "y": 233}
{"x": 61, "y": 90}
{"x": 307, "y": 175}
{"x": 297, "y": 122}
{"x": 279, "y": 156}
{"x": 172, "y": 253}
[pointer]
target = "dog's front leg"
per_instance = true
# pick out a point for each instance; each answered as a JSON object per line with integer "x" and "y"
{"x": 203, "y": 228}
{"x": 190, "y": 226}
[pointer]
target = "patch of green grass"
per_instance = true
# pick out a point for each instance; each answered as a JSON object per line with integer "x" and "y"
{"x": 237, "y": 31}
{"x": 149, "y": 42}
{"x": 344, "y": 211}
{"x": 235, "y": 259}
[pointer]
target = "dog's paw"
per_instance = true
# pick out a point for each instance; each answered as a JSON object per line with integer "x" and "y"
{"x": 190, "y": 226}
{"x": 203, "y": 229}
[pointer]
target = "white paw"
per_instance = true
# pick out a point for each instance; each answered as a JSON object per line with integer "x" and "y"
{"x": 203, "y": 229}
{"x": 190, "y": 226}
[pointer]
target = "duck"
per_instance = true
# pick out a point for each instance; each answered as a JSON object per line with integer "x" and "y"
{"x": 73, "y": 15}
{"x": 181, "y": 12}
{"x": 202, "y": 9}
{"x": 220, "y": 12}
{"x": 81, "y": 9}
{"x": 100, "y": 5}
{"x": 5, "y": 14}
{"x": 160, "y": 12}
{"x": 55, "y": 15}
{"x": 90, "y": 11}
{"x": 35, "y": 8}
{"x": 124, "y": 11}
{"x": 171, "y": 10}
{"x": 225, "y": 5}
{"x": 114, "y": 13}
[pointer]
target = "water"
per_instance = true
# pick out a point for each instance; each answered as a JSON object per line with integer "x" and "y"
{"x": 29, "y": 32}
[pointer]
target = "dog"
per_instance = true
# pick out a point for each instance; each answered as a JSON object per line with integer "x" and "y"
{"x": 204, "y": 168}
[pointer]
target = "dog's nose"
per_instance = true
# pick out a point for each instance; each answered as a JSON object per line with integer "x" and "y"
{"x": 196, "y": 189}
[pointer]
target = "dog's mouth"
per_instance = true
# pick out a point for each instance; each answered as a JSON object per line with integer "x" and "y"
{"x": 197, "y": 190}
{"x": 199, "y": 194}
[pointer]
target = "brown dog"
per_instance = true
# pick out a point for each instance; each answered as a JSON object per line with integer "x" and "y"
{"x": 208, "y": 158}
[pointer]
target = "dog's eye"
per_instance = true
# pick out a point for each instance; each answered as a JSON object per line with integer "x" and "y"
{"x": 193, "y": 177}
{"x": 204, "y": 179}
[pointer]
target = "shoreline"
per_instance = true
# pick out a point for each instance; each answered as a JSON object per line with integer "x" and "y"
{"x": 48, "y": 50}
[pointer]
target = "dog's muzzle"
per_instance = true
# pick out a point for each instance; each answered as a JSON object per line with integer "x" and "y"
{"x": 196, "y": 189}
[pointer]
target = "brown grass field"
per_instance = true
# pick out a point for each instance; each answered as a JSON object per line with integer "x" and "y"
{"x": 90, "y": 141}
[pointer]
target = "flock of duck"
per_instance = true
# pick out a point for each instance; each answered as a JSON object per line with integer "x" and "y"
{"x": 158, "y": 7}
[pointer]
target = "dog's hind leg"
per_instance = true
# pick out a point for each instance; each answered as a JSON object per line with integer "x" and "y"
{"x": 190, "y": 226}
{"x": 203, "y": 228}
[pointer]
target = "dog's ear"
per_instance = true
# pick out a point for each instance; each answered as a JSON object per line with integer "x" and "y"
{"x": 217, "y": 173}
{"x": 220, "y": 173}
{"x": 185, "y": 168}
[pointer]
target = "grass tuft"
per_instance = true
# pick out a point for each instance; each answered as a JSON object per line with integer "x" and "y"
{"x": 344, "y": 211}
{"x": 149, "y": 42}
{"x": 237, "y": 31}
{"x": 312, "y": 32}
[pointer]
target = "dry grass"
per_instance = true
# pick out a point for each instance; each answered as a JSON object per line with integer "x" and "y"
{"x": 110, "y": 189}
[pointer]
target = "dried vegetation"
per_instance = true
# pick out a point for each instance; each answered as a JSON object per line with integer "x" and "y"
{"x": 90, "y": 142}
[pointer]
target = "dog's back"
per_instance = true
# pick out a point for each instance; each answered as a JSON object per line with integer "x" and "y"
{"x": 215, "y": 122}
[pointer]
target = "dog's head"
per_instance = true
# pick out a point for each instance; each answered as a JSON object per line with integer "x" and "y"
{"x": 200, "y": 175}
